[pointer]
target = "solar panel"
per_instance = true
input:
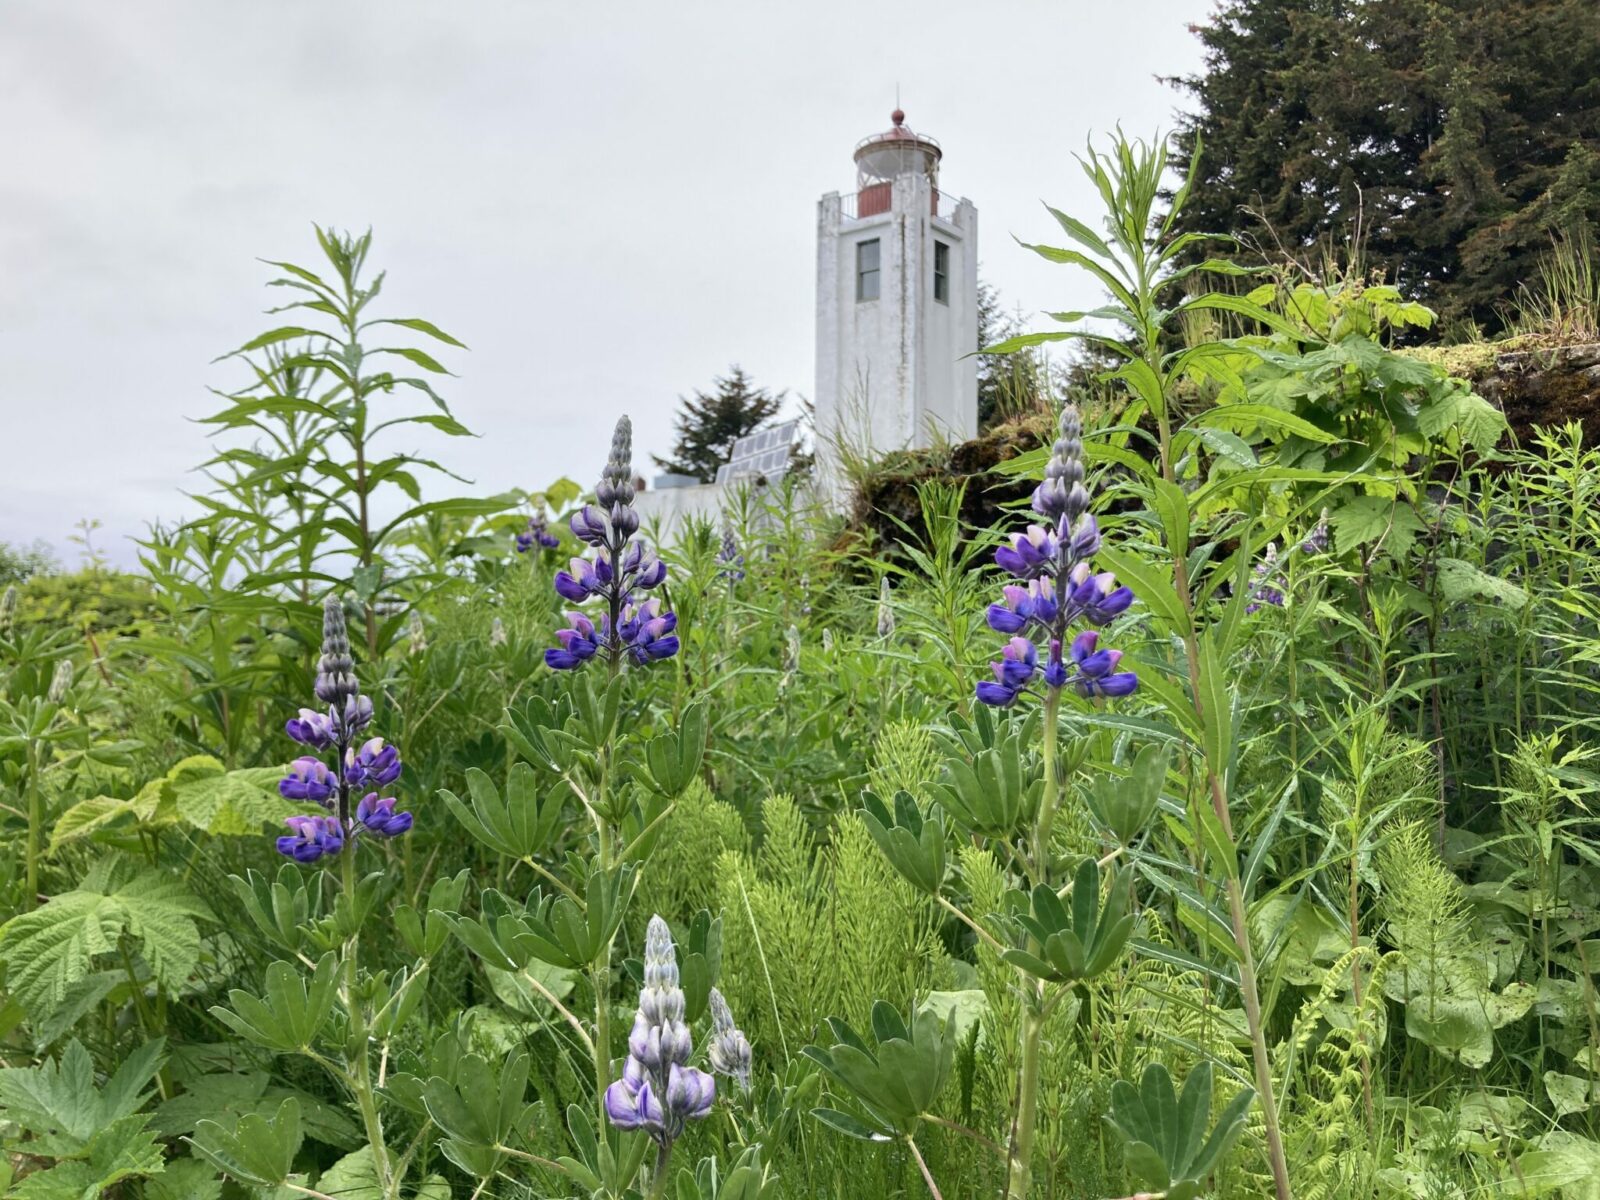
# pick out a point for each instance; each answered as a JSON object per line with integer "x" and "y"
{"x": 764, "y": 453}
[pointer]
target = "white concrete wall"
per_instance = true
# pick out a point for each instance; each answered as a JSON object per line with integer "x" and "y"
{"x": 894, "y": 372}
{"x": 666, "y": 507}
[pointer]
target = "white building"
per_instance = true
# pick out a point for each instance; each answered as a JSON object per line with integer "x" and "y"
{"x": 897, "y": 318}
{"x": 897, "y": 304}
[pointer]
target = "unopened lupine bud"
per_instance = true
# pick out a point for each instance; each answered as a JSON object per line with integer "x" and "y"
{"x": 827, "y": 640}
{"x": 497, "y": 632}
{"x": 8, "y": 608}
{"x": 1062, "y": 495}
{"x": 60, "y": 681}
{"x": 730, "y": 558}
{"x": 416, "y": 634}
{"x": 336, "y": 680}
{"x": 730, "y": 1049}
{"x": 791, "y": 650}
{"x": 885, "y": 609}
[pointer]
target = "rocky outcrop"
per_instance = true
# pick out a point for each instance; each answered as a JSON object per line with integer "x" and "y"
{"x": 889, "y": 494}
{"x": 1548, "y": 386}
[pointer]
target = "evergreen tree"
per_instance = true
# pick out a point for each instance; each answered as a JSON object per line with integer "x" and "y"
{"x": 1448, "y": 140}
{"x": 708, "y": 423}
{"x": 1009, "y": 385}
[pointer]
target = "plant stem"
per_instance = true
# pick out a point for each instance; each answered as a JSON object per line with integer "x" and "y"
{"x": 1022, "y": 1130}
{"x": 360, "y": 1069}
{"x": 658, "y": 1179}
{"x": 35, "y": 826}
{"x": 922, "y": 1165}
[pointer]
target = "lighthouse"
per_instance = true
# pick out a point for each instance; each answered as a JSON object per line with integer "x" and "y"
{"x": 897, "y": 305}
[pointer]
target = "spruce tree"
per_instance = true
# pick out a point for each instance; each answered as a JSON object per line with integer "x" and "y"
{"x": 1448, "y": 139}
{"x": 708, "y": 423}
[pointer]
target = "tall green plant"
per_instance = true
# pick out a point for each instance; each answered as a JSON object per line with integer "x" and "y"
{"x": 357, "y": 482}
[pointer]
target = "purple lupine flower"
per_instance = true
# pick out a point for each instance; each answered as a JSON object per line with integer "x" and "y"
{"x": 730, "y": 1049}
{"x": 1266, "y": 582}
{"x": 311, "y": 837}
{"x": 1018, "y": 661}
{"x": 308, "y": 779}
{"x": 377, "y": 815}
{"x": 537, "y": 534}
{"x": 1097, "y": 673}
{"x": 1317, "y": 540}
{"x": 578, "y": 644}
{"x": 659, "y": 1091}
{"x": 372, "y": 764}
{"x": 647, "y": 632}
{"x": 619, "y": 569}
{"x": 311, "y": 728}
{"x": 1058, "y": 590}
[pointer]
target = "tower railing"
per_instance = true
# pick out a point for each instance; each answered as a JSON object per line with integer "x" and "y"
{"x": 877, "y": 198}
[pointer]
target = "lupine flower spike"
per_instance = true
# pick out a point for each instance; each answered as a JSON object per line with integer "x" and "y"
{"x": 1266, "y": 581}
{"x": 497, "y": 632}
{"x": 1057, "y": 591}
{"x": 416, "y": 635}
{"x": 621, "y": 568}
{"x": 729, "y": 556}
{"x": 730, "y": 1049}
{"x": 371, "y": 764}
{"x": 1317, "y": 540}
{"x": 537, "y": 534}
{"x": 659, "y": 1091}
{"x": 60, "y": 681}
{"x": 885, "y": 610}
{"x": 8, "y": 608}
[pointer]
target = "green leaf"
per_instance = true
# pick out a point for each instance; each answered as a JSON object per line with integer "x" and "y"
{"x": 49, "y": 950}
{"x": 257, "y": 1150}
{"x": 421, "y": 326}
{"x": 1152, "y": 584}
{"x": 1262, "y": 415}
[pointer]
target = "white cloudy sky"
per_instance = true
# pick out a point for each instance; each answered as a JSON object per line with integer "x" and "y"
{"x": 608, "y": 202}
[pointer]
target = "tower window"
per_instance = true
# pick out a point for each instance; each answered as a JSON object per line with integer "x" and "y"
{"x": 941, "y": 272}
{"x": 867, "y": 270}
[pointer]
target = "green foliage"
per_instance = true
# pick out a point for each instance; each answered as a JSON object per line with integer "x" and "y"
{"x": 94, "y": 1137}
{"x": 895, "y": 1080}
{"x": 117, "y": 908}
{"x": 1428, "y": 184}
{"x": 1168, "y": 1149}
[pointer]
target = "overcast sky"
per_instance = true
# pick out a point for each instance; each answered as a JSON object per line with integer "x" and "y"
{"x": 609, "y": 203}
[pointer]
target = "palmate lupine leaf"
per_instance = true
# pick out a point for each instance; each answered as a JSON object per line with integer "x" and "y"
{"x": 49, "y": 950}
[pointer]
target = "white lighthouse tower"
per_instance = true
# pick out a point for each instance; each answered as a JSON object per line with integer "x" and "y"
{"x": 897, "y": 304}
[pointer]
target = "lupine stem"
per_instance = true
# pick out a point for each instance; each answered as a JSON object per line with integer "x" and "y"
{"x": 1022, "y": 1130}
{"x": 360, "y": 1074}
{"x": 658, "y": 1181}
